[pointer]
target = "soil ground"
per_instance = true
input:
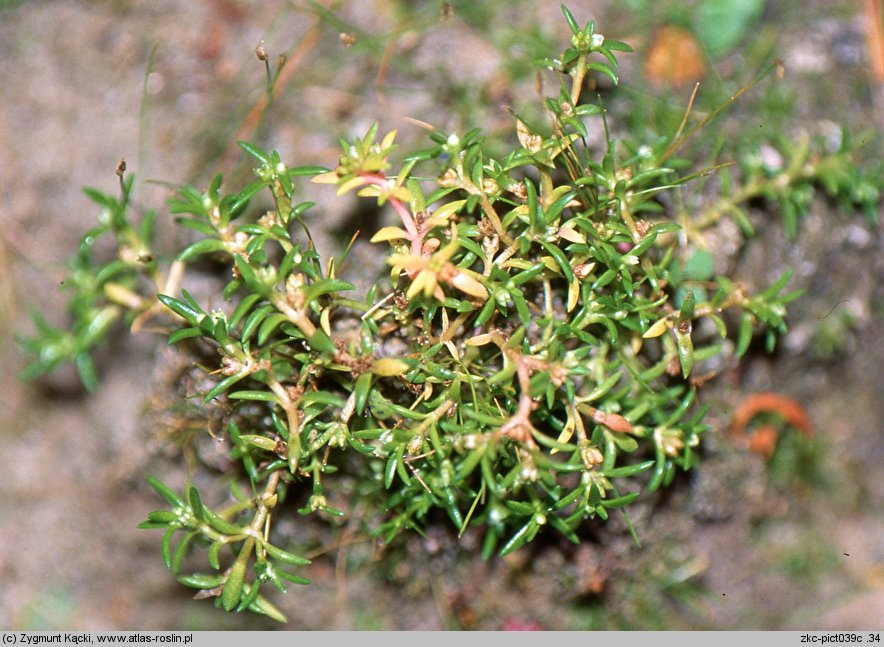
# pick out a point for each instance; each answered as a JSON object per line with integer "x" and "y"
{"x": 727, "y": 548}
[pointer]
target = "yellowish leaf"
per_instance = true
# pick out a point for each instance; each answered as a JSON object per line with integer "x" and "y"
{"x": 402, "y": 194}
{"x": 529, "y": 140}
{"x": 407, "y": 262}
{"x": 571, "y": 235}
{"x": 466, "y": 283}
{"x": 389, "y": 233}
{"x": 446, "y": 210}
{"x": 368, "y": 191}
{"x": 573, "y": 294}
{"x": 352, "y": 183}
{"x": 326, "y": 178}
{"x": 388, "y": 140}
{"x": 389, "y": 367}
{"x": 657, "y": 329}
{"x": 425, "y": 282}
{"x": 551, "y": 264}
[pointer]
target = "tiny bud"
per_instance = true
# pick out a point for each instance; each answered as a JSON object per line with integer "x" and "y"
{"x": 591, "y": 456}
{"x": 347, "y": 40}
{"x": 490, "y": 244}
{"x": 448, "y": 178}
{"x": 317, "y": 502}
{"x": 780, "y": 68}
{"x": 490, "y": 185}
{"x": 260, "y": 52}
{"x": 268, "y": 219}
{"x": 613, "y": 421}
{"x": 583, "y": 270}
{"x": 294, "y": 291}
{"x": 121, "y": 167}
{"x": 558, "y": 374}
{"x": 529, "y": 474}
{"x": 486, "y": 228}
{"x": 519, "y": 190}
{"x": 230, "y": 366}
{"x": 642, "y": 227}
{"x": 415, "y": 445}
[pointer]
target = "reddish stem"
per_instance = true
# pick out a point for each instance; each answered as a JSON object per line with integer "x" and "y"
{"x": 415, "y": 236}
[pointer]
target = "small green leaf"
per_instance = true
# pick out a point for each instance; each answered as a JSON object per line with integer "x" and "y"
{"x": 221, "y": 525}
{"x": 252, "y": 590}
{"x": 166, "y": 546}
{"x": 242, "y": 198}
{"x": 190, "y": 314}
{"x": 256, "y": 318}
{"x": 326, "y": 286}
{"x": 361, "y": 390}
{"x": 775, "y": 287}
{"x": 242, "y": 308}
{"x": 212, "y": 556}
{"x": 320, "y": 341}
{"x": 569, "y": 17}
{"x": 620, "y": 501}
{"x": 744, "y": 337}
{"x": 560, "y": 258}
{"x": 164, "y": 517}
{"x": 248, "y": 275}
{"x": 523, "y": 536}
{"x": 165, "y": 491}
{"x": 535, "y": 215}
{"x": 265, "y": 607}
{"x": 291, "y": 577}
{"x": 390, "y": 470}
{"x": 685, "y": 352}
{"x": 222, "y": 386}
{"x": 201, "y": 247}
{"x": 604, "y": 69}
{"x": 201, "y": 580}
{"x": 629, "y": 470}
{"x": 233, "y": 585}
{"x": 86, "y": 371}
{"x": 181, "y": 551}
{"x": 268, "y": 325}
{"x": 262, "y": 396}
{"x": 285, "y": 556}
{"x": 195, "y": 504}
{"x": 184, "y": 333}
{"x": 300, "y": 171}
{"x": 255, "y": 152}
{"x": 687, "y": 308}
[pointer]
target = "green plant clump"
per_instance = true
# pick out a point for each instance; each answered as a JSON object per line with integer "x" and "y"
{"x": 529, "y": 365}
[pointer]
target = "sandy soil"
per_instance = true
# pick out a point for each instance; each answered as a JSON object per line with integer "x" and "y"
{"x": 726, "y": 549}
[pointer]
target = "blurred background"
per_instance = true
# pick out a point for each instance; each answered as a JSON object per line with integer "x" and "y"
{"x": 792, "y": 539}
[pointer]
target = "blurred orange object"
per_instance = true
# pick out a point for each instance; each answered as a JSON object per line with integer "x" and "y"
{"x": 874, "y": 14}
{"x": 763, "y": 439}
{"x": 674, "y": 58}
